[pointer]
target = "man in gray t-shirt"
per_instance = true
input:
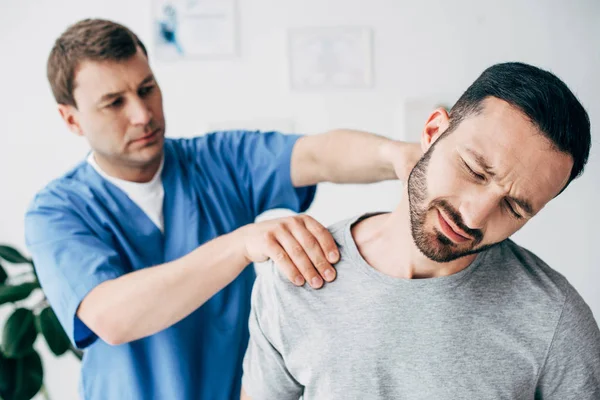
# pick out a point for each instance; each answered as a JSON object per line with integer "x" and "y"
{"x": 433, "y": 301}
{"x": 505, "y": 327}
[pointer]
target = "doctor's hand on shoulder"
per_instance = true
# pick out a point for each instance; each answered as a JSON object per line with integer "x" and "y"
{"x": 299, "y": 245}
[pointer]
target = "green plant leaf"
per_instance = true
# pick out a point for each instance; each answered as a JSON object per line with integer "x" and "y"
{"x": 12, "y": 255}
{"x": 12, "y": 293}
{"x": 8, "y": 368}
{"x": 3, "y": 274}
{"x": 48, "y": 325}
{"x": 19, "y": 334}
{"x": 29, "y": 377}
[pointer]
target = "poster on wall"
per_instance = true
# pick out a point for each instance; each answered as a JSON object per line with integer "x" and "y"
{"x": 194, "y": 29}
{"x": 330, "y": 58}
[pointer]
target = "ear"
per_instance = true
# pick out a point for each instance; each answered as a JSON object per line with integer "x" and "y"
{"x": 70, "y": 116}
{"x": 436, "y": 124}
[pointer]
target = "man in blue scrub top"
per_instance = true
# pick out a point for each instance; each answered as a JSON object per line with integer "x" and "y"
{"x": 142, "y": 249}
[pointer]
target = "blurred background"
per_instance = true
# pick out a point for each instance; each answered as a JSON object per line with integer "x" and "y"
{"x": 306, "y": 66}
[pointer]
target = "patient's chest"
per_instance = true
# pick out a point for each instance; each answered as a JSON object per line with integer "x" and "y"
{"x": 374, "y": 344}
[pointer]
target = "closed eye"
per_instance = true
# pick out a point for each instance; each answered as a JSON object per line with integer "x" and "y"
{"x": 473, "y": 173}
{"x": 512, "y": 210}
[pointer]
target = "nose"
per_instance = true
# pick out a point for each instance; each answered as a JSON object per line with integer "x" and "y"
{"x": 139, "y": 113}
{"x": 478, "y": 208}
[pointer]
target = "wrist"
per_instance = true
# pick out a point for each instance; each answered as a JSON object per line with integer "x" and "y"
{"x": 388, "y": 153}
{"x": 239, "y": 245}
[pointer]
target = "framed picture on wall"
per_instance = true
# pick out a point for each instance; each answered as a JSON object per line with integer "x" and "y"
{"x": 194, "y": 29}
{"x": 330, "y": 58}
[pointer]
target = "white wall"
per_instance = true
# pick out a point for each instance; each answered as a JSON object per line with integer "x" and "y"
{"x": 421, "y": 48}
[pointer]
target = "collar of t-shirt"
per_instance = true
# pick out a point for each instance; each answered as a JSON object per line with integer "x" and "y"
{"x": 148, "y": 196}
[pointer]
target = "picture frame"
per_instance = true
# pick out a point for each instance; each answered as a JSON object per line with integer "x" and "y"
{"x": 195, "y": 29}
{"x": 325, "y": 58}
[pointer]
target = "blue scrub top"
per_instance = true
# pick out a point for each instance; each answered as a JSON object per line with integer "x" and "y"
{"x": 81, "y": 230}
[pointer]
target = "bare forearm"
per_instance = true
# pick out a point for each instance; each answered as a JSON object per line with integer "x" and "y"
{"x": 144, "y": 302}
{"x": 343, "y": 156}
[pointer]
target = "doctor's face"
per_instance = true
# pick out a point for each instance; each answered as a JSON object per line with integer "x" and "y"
{"x": 119, "y": 111}
{"x": 480, "y": 183}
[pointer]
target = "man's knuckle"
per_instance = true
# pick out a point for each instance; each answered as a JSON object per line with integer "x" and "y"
{"x": 267, "y": 236}
{"x": 312, "y": 243}
{"x": 279, "y": 256}
{"x": 297, "y": 250}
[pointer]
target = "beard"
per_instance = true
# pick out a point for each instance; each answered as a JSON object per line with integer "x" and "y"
{"x": 434, "y": 244}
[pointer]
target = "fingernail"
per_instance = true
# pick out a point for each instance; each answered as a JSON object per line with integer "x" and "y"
{"x": 316, "y": 282}
{"x": 329, "y": 275}
{"x": 332, "y": 257}
{"x": 299, "y": 281}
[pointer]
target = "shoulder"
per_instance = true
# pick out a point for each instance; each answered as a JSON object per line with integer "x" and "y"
{"x": 223, "y": 140}
{"x": 67, "y": 206}
{"x": 533, "y": 280}
{"x": 535, "y": 270}
{"x": 63, "y": 191}
{"x": 339, "y": 229}
{"x": 218, "y": 146}
{"x": 274, "y": 289}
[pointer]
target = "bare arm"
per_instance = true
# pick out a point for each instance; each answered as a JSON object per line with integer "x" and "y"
{"x": 349, "y": 156}
{"x": 146, "y": 301}
{"x": 149, "y": 300}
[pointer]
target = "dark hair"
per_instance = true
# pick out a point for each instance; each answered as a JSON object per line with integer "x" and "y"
{"x": 89, "y": 39}
{"x": 542, "y": 97}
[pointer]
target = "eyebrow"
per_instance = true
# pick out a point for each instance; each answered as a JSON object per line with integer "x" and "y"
{"x": 524, "y": 204}
{"x": 482, "y": 162}
{"x": 110, "y": 96}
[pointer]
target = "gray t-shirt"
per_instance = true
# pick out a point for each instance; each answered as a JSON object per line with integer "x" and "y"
{"x": 506, "y": 327}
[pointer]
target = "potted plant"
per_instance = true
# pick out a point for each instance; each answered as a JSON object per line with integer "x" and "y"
{"x": 21, "y": 369}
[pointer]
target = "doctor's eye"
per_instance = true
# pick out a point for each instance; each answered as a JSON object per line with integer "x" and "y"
{"x": 116, "y": 103}
{"x": 146, "y": 90}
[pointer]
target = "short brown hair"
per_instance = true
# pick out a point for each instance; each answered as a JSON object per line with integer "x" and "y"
{"x": 89, "y": 39}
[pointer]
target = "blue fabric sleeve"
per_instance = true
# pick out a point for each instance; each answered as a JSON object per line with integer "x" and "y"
{"x": 261, "y": 166}
{"x": 69, "y": 260}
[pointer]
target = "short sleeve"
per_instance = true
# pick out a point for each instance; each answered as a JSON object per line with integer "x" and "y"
{"x": 261, "y": 164}
{"x": 572, "y": 368}
{"x": 69, "y": 261}
{"x": 265, "y": 375}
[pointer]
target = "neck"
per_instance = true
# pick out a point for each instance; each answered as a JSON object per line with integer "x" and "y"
{"x": 386, "y": 243}
{"x": 139, "y": 174}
